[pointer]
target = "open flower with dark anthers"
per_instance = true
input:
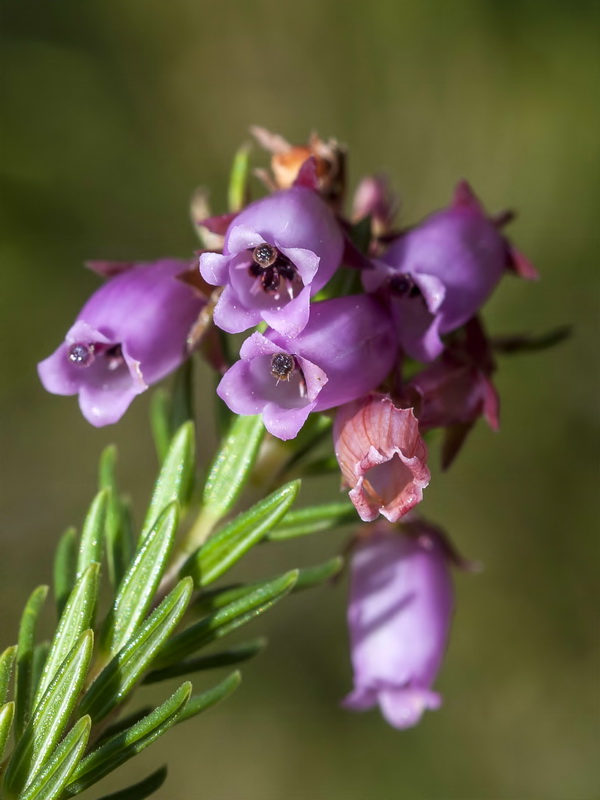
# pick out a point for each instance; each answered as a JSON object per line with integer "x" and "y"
{"x": 439, "y": 274}
{"x": 382, "y": 457}
{"x": 346, "y": 350}
{"x": 399, "y": 615}
{"x": 278, "y": 252}
{"x": 131, "y": 333}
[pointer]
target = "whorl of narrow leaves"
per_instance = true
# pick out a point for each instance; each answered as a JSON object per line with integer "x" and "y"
{"x": 66, "y": 696}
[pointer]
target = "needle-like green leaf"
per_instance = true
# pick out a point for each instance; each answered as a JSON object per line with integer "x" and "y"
{"x": 128, "y": 743}
{"x": 141, "y": 581}
{"x": 7, "y": 712}
{"x": 227, "y": 546}
{"x": 237, "y": 194}
{"x": 313, "y": 576}
{"x": 118, "y": 540}
{"x": 159, "y": 422}
{"x": 141, "y": 790}
{"x": 232, "y": 465}
{"x": 7, "y": 659}
{"x": 224, "y": 658}
{"x": 51, "y": 780}
{"x": 227, "y": 619}
{"x": 314, "y": 519}
{"x": 50, "y": 716}
{"x": 78, "y": 616}
{"x": 128, "y": 666}
{"x": 202, "y": 702}
{"x": 175, "y": 477}
{"x": 92, "y": 533}
{"x": 65, "y": 568}
{"x": 24, "y": 672}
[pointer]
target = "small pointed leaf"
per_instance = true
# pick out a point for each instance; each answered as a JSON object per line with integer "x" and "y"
{"x": 175, "y": 477}
{"x": 159, "y": 422}
{"x": 119, "y": 544}
{"x": 314, "y": 519}
{"x": 92, "y": 533}
{"x": 202, "y": 702}
{"x": 238, "y": 180}
{"x": 77, "y": 617}
{"x": 7, "y": 712}
{"x": 51, "y": 780}
{"x": 40, "y": 656}
{"x": 225, "y": 620}
{"x": 227, "y": 546}
{"x": 232, "y": 465}
{"x": 313, "y": 576}
{"x": 65, "y": 568}
{"x": 225, "y": 658}
{"x": 141, "y": 790}
{"x": 125, "y": 670}
{"x": 51, "y": 716}
{"x": 128, "y": 743}
{"x": 7, "y": 659}
{"x": 141, "y": 581}
{"x": 24, "y": 672}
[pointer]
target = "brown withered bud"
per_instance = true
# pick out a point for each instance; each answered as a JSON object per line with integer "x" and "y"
{"x": 287, "y": 161}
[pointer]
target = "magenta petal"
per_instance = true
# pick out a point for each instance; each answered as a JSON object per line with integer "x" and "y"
{"x": 105, "y": 407}
{"x": 57, "y": 374}
{"x": 292, "y": 318}
{"x": 233, "y": 317}
{"x": 403, "y": 708}
{"x": 214, "y": 268}
{"x": 284, "y": 423}
{"x": 241, "y": 237}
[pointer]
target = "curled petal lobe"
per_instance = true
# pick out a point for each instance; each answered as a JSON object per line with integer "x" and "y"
{"x": 382, "y": 457}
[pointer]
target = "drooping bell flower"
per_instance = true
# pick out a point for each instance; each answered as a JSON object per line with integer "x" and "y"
{"x": 382, "y": 457}
{"x": 278, "y": 252}
{"x": 399, "y": 615}
{"x": 131, "y": 333}
{"x": 439, "y": 274}
{"x": 457, "y": 389}
{"x": 347, "y": 349}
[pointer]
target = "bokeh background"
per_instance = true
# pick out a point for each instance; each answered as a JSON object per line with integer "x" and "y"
{"x": 112, "y": 113}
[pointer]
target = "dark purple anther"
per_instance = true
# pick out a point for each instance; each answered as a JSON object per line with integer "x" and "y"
{"x": 82, "y": 355}
{"x": 282, "y": 366}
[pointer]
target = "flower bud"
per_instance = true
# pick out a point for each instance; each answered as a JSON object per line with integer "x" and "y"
{"x": 401, "y": 605}
{"x": 382, "y": 457}
{"x": 346, "y": 350}
{"x": 130, "y": 334}
{"x": 278, "y": 252}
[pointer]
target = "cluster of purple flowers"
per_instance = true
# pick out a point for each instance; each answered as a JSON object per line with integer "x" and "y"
{"x": 388, "y": 336}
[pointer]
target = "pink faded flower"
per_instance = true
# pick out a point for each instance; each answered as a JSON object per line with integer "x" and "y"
{"x": 382, "y": 457}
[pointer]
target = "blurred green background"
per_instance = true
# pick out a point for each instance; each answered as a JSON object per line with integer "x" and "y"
{"x": 113, "y": 112}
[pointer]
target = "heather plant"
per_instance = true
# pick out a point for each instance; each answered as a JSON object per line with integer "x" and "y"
{"x": 362, "y": 336}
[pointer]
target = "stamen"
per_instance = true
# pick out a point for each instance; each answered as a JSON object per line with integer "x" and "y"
{"x": 403, "y": 285}
{"x": 282, "y": 366}
{"x": 82, "y": 355}
{"x": 265, "y": 255}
